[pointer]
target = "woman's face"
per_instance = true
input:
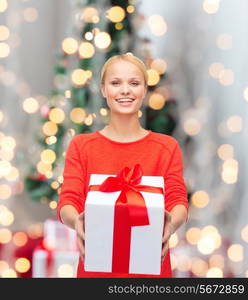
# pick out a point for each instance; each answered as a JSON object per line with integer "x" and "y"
{"x": 124, "y": 87}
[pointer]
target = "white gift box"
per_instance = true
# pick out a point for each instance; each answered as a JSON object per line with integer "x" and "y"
{"x": 58, "y": 236}
{"x": 63, "y": 264}
{"x": 146, "y": 241}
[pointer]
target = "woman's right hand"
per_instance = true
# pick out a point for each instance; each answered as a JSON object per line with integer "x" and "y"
{"x": 79, "y": 227}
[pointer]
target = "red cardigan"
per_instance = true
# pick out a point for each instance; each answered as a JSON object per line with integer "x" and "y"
{"x": 93, "y": 153}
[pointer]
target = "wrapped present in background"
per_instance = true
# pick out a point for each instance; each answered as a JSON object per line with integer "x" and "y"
{"x": 57, "y": 254}
{"x": 124, "y": 218}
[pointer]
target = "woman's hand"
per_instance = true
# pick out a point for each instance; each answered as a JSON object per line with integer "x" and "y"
{"x": 79, "y": 227}
{"x": 168, "y": 231}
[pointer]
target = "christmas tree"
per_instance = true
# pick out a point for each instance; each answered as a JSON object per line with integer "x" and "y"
{"x": 75, "y": 105}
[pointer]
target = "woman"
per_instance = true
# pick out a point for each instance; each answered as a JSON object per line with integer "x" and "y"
{"x": 123, "y": 143}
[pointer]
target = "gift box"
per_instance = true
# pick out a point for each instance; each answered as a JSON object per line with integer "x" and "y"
{"x": 124, "y": 218}
{"x": 53, "y": 263}
{"x": 59, "y": 236}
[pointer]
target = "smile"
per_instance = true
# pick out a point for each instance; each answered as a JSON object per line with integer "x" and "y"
{"x": 124, "y": 100}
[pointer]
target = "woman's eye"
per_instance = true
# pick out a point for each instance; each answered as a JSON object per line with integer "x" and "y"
{"x": 115, "y": 82}
{"x": 134, "y": 83}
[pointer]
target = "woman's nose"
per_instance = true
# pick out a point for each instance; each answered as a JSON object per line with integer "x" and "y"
{"x": 125, "y": 88}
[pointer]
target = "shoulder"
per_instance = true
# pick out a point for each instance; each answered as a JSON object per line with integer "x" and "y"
{"x": 166, "y": 141}
{"x": 80, "y": 140}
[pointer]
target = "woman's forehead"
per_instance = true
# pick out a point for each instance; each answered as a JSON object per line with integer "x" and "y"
{"x": 123, "y": 69}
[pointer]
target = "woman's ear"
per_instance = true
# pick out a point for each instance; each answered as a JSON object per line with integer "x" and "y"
{"x": 103, "y": 90}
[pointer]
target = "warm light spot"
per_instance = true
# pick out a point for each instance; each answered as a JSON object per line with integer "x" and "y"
{"x": 4, "y": 33}
{"x": 200, "y": 199}
{"x": 224, "y": 41}
{"x": 86, "y": 50}
{"x": 236, "y": 252}
{"x": 50, "y": 128}
{"x": 35, "y": 230}
{"x": 3, "y": 5}
{"x": 4, "y": 50}
{"x": 48, "y": 156}
{"x": 153, "y": 77}
{"x": 116, "y": 14}
{"x": 56, "y": 115}
{"x": 30, "y": 14}
{"x": 199, "y": 267}
{"x": 230, "y": 171}
{"x": 51, "y": 140}
{"x": 79, "y": 77}
{"x": 118, "y": 26}
{"x": 216, "y": 260}
{"x": 5, "y": 191}
{"x": 211, "y": 6}
{"x": 3, "y": 266}
{"x": 244, "y": 233}
{"x": 30, "y": 105}
{"x": 6, "y": 217}
{"x": 88, "y": 120}
{"x": 173, "y": 240}
{"x": 89, "y": 15}
{"x": 55, "y": 185}
{"x": 68, "y": 94}
{"x": 103, "y": 112}
{"x": 22, "y": 265}
{"x": 5, "y": 168}
{"x": 214, "y": 272}
{"x": 70, "y": 132}
{"x": 206, "y": 245}
{"x": 20, "y": 239}
{"x": 159, "y": 65}
{"x": 193, "y": 235}
{"x": 234, "y": 123}
{"x": 8, "y": 142}
{"x": 215, "y": 69}
{"x": 102, "y": 40}
{"x": 53, "y": 204}
{"x": 65, "y": 270}
{"x": 225, "y": 151}
{"x": 9, "y": 273}
{"x": 192, "y": 126}
{"x": 245, "y": 94}
{"x": 130, "y": 9}
{"x": 70, "y": 45}
{"x": 5, "y": 236}
{"x": 60, "y": 179}
{"x": 6, "y": 154}
{"x": 13, "y": 175}
{"x": 78, "y": 115}
{"x": 157, "y": 25}
{"x": 226, "y": 77}
{"x": 140, "y": 113}
{"x": 89, "y": 36}
{"x": 156, "y": 101}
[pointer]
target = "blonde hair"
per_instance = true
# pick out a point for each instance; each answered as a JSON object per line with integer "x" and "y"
{"x": 127, "y": 57}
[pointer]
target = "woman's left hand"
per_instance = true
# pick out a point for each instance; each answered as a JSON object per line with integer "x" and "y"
{"x": 168, "y": 231}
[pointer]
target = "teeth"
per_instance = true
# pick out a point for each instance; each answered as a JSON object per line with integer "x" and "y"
{"x": 124, "y": 100}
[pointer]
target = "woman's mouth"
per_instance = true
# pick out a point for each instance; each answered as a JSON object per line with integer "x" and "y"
{"x": 124, "y": 100}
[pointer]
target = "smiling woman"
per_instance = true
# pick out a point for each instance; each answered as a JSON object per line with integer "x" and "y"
{"x": 123, "y": 143}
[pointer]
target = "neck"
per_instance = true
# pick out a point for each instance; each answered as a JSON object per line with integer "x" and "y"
{"x": 124, "y": 127}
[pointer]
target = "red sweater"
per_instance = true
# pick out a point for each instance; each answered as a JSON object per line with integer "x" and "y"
{"x": 93, "y": 153}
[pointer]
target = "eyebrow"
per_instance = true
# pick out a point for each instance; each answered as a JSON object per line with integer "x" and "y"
{"x": 129, "y": 78}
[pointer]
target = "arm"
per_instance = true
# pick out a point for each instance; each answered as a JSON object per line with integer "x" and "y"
{"x": 176, "y": 202}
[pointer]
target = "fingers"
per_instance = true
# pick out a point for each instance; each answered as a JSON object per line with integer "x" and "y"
{"x": 165, "y": 247}
{"x": 79, "y": 227}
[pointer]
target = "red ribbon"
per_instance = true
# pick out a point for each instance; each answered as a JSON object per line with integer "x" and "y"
{"x": 49, "y": 257}
{"x": 130, "y": 210}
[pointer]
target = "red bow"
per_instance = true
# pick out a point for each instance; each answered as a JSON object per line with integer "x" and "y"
{"x": 130, "y": 210}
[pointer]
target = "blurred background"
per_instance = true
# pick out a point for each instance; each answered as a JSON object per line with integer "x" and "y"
{"x": 50, "y": 57}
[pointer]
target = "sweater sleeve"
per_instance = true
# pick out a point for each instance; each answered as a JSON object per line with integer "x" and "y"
{"x": 175, "y": 188}
{"x": 72, "y": 190}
